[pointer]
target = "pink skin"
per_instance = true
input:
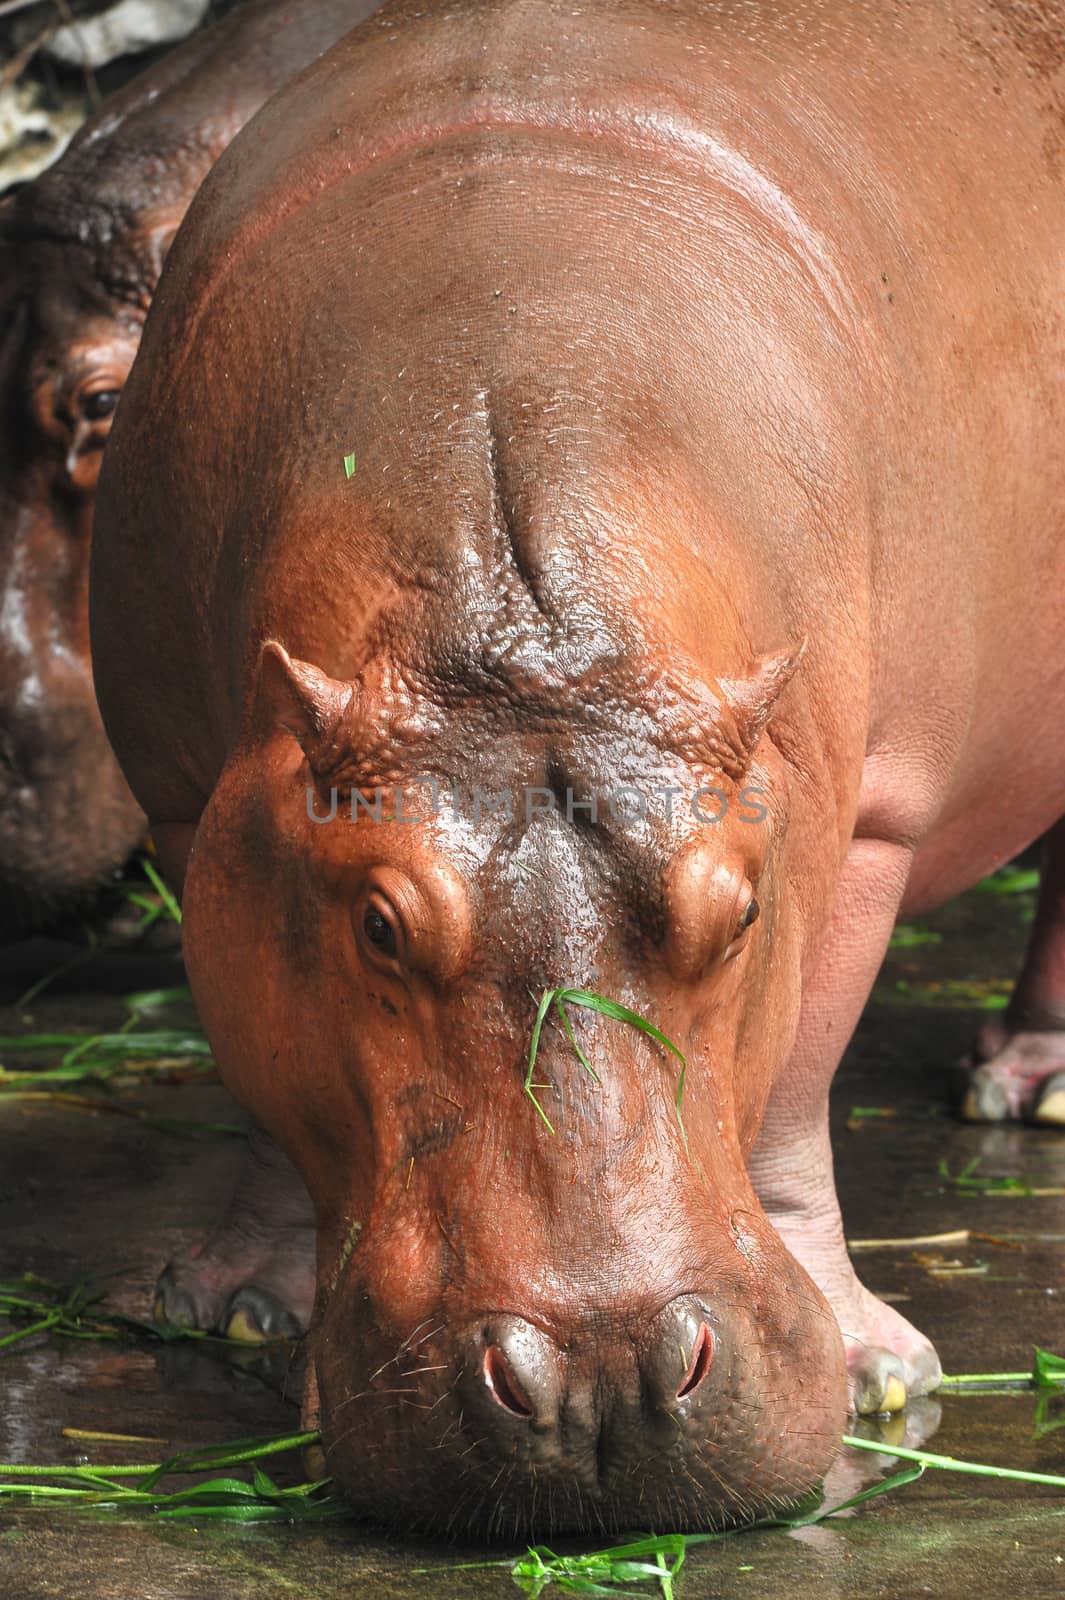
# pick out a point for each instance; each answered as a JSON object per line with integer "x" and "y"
{"x": 597, "y": 510}
{"x": 1018, "y": 1067}
{"x": 792, "y": 1165}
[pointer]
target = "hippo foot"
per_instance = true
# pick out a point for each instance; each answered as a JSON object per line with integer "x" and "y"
{"x": 221, "y": 1290}
{"x": 889, "y": 1363}
{"x": 1016, "y": 1075}
{"x": 253, "y": 1279}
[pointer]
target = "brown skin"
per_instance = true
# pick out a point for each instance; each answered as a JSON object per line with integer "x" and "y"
{"x": 667, "y": 339}
{"x": 80, "y": 254}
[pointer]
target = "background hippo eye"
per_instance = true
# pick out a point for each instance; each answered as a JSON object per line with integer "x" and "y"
{"x": 379, "y": 932}
{"x": 95, "y": 407}
{"x": 750, "y": 915}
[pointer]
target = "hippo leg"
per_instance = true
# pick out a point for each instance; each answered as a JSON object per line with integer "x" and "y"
{"x": 1018, "y": 1060}
{"x": 253, "y": 1278}
{"x": 888, "y": 1361}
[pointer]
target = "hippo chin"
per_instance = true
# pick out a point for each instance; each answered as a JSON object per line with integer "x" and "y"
{"x": 542, "y": 402}
{"x": 81, "y": 249}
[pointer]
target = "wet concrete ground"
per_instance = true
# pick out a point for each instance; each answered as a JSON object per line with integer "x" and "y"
{"x": 83, "y": 1192}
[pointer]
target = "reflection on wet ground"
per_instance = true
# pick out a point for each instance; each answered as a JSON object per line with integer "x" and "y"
{"x": 87, "y": 1193}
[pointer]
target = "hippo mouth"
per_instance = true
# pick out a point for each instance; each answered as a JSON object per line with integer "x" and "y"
{"x": 702, "y": 1418}
{"x": 63, "y": 832}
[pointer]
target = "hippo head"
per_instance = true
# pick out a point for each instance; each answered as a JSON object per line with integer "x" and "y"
{"x": 547, "y": 1302}
{"x": 70, "y": 336}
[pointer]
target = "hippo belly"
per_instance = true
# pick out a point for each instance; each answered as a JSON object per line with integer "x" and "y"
{"x": 557, "y": 594}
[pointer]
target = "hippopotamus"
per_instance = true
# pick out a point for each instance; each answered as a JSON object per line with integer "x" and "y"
{"x": 80, "y": 253}
{"x": 552, "y": 409}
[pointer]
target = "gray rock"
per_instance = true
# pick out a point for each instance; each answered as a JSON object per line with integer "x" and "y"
{"x": 126, "y": 29}
{"x": 35, "y": 129}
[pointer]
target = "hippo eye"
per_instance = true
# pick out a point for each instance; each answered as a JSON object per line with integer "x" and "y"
{"x": 96, "y": 407}
{"x": 379, "y": 932}
{"x": 747, "y": 917}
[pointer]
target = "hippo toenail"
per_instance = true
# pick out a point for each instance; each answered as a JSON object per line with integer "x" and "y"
{"x": 240, "y": 1326}
{"x": 894, "y": 1395}
{"x": 1051, "y": 1106}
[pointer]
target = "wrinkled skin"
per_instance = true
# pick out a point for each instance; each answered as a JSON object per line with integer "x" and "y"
{"x": 702, "y": 367}
{"x": 81, "y": 249}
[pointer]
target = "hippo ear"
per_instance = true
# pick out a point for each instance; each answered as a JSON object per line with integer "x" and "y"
{"x": 297, "y": 696}
{"x": 753, "y": 697}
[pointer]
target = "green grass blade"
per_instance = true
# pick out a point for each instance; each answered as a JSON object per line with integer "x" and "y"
{"x": 39, "y": 1041}
{"x": 160, "y": 1042}
{"x": 154, "y": 999}
{"x": 72, "y": 1314}
{"x": 986, "y": 1382}
{"x": 1011, "y": 880}
{"x": 162, "y": 889}
{"x": 226, "y": 1455}
{"x": 25, "y": 1333}
{"x": 582, "y": 1058}
{"x": 130, "y": 1488}
{"x": 1048, "y": 1371}
{"x": 617, "y": 1013}
{"x": 951, "y": 1464}
{"x": 544, "y": 1007}
{"x": 907, "y": 934}
{"x": 898, "y": 1480}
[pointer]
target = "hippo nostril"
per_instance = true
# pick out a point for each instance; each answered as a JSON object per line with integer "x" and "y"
{"x": 699, "y": 1365}
{"x": 687, "y": 1328}
{"x": 513, "y": 1366}
{"x": 502, "y": 1384}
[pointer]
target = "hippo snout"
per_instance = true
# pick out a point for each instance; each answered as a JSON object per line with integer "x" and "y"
{"x": 590, "y": 1410}
{"x": 67, "y": 817}
{"x": 686, "y": 1416}
{"x": 572, "y": 1403}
